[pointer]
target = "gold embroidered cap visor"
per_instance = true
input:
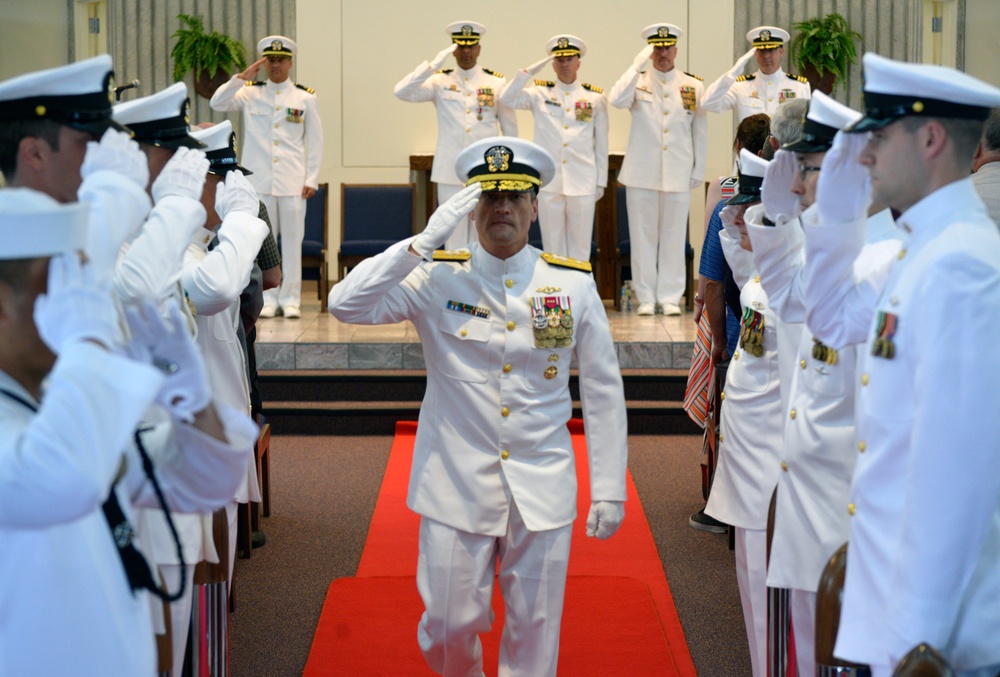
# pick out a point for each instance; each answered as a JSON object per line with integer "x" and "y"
{"x": 662, "y": 35}
{"x": 277, "y": 45}
{"x": 465, "y": 33}
{"x": 504, "y": 163}
{"x": 566, "y": 45}
{"x": 767, "y": 37}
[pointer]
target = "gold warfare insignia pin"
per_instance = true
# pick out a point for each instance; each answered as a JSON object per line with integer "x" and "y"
{"x": 563, "y": 43}
{"x": 498, "y": 158}
{"x": 548, "y": 290}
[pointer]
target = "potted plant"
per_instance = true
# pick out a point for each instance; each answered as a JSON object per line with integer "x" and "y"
{"x": 210, "y": 57}
{"x": 823, "y": 50}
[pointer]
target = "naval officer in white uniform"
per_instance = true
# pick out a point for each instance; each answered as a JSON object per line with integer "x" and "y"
{"x": 665, "y": 160}
{"x": 283, "y": 147}
{"x": 571, "y": 123}
{"x": 763, "y": 90}
{"x": 924, "y": 504}
{"x": 468, "y": 106}
{"x": 493, "y": 468}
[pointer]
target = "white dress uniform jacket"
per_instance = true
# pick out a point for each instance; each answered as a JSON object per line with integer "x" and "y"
{"x": 818, "y": 452}
{"x": 756, "y": 93}
{"x": 668, "y": 138}
{"x": 282, "y": 133}
{"x": 468, "y": 109}
{"x": 987, "y": 183}
{"x": 66, "y": 586}
{"x": 571, "y": 123}
{"x": 213, "y": 281}
{"x": 496, "y": 407}
{"x": 925, "y": 498}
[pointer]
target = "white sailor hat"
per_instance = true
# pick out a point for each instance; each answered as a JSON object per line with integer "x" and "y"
{"x": 825, "y": 118}
{"x": 160, "y": 119}
{"x": 465, "y": 32}
{"x": 751, "y": 177}
{"x": 505, "y": 163}
{"x": 277, "y": 45}
{"x": 33, "y": 225}
{"x": 78, "y": 95}
{"x": 566, "y": 45}
{"x": 220, "y": 148}
{"x": 894, "y": 89}
{"x": 767, "y": 37}
{"x": 662, "y": 35}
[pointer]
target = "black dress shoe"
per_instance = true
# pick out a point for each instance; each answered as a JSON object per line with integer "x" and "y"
{"x": 703, "y": 522}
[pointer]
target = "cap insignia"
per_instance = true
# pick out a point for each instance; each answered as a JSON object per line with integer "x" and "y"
{"x": 467, "y": 30}
{"x": 663, "y": 32}
{"x": 111, "y": 89}
{"x": 765, "y": 35}
{"x": 277, "y": 45}
{"x": 498, "y": 158}
{"x": 563, "y": 43}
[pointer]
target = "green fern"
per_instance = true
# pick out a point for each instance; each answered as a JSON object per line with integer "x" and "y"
{"x": 825, "y": 43}
{"x": 199, "y": 51}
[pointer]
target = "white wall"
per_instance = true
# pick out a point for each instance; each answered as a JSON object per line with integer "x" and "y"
{"x": 982, "y": 26}
{"x": 34, "y": 34}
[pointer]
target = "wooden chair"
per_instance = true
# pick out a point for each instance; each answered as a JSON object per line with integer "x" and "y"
{"x": 247, "y": 519}
{"x": 316, "y": 240}
{"x": 923, "y": 660}
{"x": 829, "y": 597}
{"x": 623, "y": 257}
{"x": 373, "y": 217}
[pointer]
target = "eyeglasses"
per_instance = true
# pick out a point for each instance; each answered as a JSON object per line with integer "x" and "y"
{"x": 805, "y": 169}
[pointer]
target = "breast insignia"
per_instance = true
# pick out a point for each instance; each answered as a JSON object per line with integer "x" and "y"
{"x": 566, "y": 262}
{"x": 452, "y": 255}
{"x": 544, "y": 83}
{"x": 306, "y": 89}
{"x": 745, "y": 78}
{"x": 593, "y": 88}
{"x": 493, "y": 73}
{"x": 254, "y": 83}
{"x": 692, "y": 75}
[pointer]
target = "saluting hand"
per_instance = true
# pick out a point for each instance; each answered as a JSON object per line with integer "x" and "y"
{"x": 445, "y": 219}
{"x": 642, "y": 57}
{"x": 844, "y": 189}
{"x": 737, "y": 68}
{"x": 780, "y": 203}
{"x": 251, "y": 72}
{"x": 442, "y": 56}
{"x": 534, "y": 68}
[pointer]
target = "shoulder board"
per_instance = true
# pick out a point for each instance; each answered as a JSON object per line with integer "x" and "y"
{"x": 445, "y": 70}
{"x": 797, "y": 77}
{"x": 452, "y": 255}
{"x": 544, "y": 83}
{"x": 306, "y": 89}
{"x": 745, "y": 78}
{"x": 254, "y": 83}
{"x": 692, "y": 75}
{"x": 566, "y": 262}
{"x": 493, "y": 73}
{"x": 593, "y": 88}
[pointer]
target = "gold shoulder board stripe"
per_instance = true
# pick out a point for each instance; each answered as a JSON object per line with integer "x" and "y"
{"x": 745, "y": 78}
{"x": 544, "y": 83}
{"x": 696, "y": 77}
{"x": 493, "y": 73}
{"x": 253, "y": 83}
{"x": 451, "y": 255}
{"x": 306, "y": 89}
{"x": 593, "y": 88}
{"x": 445, "y": 71}
{"x": 797, "y": 77}
{"x": 566, "y": 262}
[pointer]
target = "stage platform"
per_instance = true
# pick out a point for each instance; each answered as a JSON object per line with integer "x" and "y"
{"x": 319, "y": 341}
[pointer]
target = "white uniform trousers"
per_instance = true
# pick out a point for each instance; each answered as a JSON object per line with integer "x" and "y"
{"x": 455, "y": 572}
{"x": 232, "y": 518}
{"x": 465, "y": 233}
{"x": 567, "y": 224}
{"x": 803, "y": 607}
{"x": 751, "y": 574}
{"x": 288, "y": 217}
{"x": 657, "y": 226}
{"x": 180, "y": 610}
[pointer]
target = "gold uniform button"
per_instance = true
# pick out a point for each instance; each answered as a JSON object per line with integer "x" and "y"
{"x": 275, "y": 125}
{"x": 567, "y": 110}
{"x": 275, "y": 143}
{"x": 467, "y": 129}
{"x": 862, "y": 446}
{"x": 505, "y": 412}
{"x": 464, "y": 332}
{"x": 722, "y": 395}
{"x": 736, "y": 355}
{"x": 792, "y": 414}
{"x": 565, "y": 143}
{"x": 564, "y": 162}
{"x": 864, "y": 379}
{"x": 802, "y": 363}
{"x": 851, "y": 509}
{"x": 504, "y": 454}
{"x": 664, "y": 112}
{"x": 720, "y": 438}
{"x": 784, "y": 466}
{"x": 275, "y": 159}
{"x": 565, "y": 126}
{"x": 277, "y": 108}
{"x": 511, "y": 325}
{"x": 757, "y": 279}
{"x": 467, "y": 110}
{"x": 664, "y": 148}
{"x": 902, "y": 254}
{"x": 509, "y": 283}
{"x": 507, "y": 368}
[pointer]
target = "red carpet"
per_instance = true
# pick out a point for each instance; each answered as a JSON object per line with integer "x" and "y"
{"x": 618, "y": 619}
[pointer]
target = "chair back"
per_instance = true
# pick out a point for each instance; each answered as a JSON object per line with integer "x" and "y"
{"x": 623, "y": 242}
{"x": 374, "y": 216}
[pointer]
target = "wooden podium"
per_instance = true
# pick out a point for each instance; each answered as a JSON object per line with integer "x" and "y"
{"x": 605, "y": 216}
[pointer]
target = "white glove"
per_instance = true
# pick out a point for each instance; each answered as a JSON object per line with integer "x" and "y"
{"x": 170, "y": 347}
{"x": 445, "y": 219}
{"x": 604, "y": 519}
{"x": 183, "y": 175}
{"x": 780, "y": 203}
{"x": 534, "y": 68}
{"x": 694, "y": 183}
{"x": 642, "y": 57}
{"x": 728, "y": 216}
{"x": 116, "y": 152}
{"x": 844, "y": 190}
{"x": 598, "y": 193}
{"x": 737, "y": 68}
{"x": 236, "y": 195}
{"x": 76, "y": 306}
{"x": 442, "y": 56}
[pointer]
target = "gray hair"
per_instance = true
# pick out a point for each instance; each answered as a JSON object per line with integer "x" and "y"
{"x": 991, "y": 132}
{"x": 786, "y": 124}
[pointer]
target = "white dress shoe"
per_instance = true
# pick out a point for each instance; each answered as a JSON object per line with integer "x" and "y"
{"x": 671, "y": 309}
{"x": 293, "y": 312}
{"x": 646, "y": 308}
{"x": 269, "y": 310}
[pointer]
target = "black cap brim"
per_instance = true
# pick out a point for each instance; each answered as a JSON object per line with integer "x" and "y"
{"x": 96, "y": 127}
{"x": 801, "y": 145}
{"x": 870, "y": 124}
{"x": 175, "y": 143}
{"x": 743, "y": 199}
{"x": 222, "y": 171}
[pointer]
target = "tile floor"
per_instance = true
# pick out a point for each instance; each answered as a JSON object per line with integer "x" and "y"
{"x": 320, "y": 341}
